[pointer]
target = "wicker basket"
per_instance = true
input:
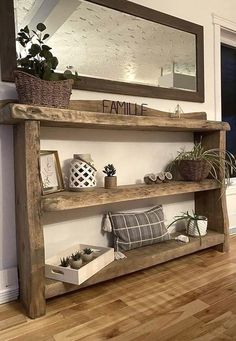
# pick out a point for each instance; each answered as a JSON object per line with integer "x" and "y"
{"x": 194, "y": 170}
{"x": 35, "y": 91}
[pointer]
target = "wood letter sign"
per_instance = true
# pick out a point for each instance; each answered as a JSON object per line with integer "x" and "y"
{"x": 123, "y": 108}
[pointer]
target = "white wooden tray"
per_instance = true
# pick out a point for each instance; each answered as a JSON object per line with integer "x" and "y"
{"x": 102, "y": 257}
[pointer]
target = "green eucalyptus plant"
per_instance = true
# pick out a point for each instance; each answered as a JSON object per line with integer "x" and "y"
{"x": 109, "y": 170}
{"x": 220, "y": 161}
{"x": 37, "y": 58}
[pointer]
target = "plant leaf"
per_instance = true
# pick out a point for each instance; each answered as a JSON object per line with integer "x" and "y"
{"x": 45, "y": 36}
{"x": 54, "y": 62}
{"x": 34, "y": 50}
{"x": 46, "y": 47}
{"x": 41, "y": 27}
{"x": 26, "y": 29}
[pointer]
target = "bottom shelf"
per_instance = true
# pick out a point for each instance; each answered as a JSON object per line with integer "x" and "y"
{"x": 139, "y": 259}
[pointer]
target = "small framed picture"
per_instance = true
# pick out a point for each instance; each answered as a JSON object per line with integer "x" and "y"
{"x": 50, "y": 171}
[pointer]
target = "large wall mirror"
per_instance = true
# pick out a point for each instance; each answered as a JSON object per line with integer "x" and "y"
{"x": 115, "y": 45}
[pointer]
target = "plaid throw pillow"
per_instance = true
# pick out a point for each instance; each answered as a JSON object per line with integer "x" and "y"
{"x": 136, "y": 229}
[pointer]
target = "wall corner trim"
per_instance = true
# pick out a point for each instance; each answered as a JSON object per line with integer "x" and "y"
{"x": 224, "y": 23}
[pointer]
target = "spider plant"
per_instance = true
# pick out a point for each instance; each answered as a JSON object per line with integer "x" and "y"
{"x": 189, "y": 218}
{"x": 221, "y": 162}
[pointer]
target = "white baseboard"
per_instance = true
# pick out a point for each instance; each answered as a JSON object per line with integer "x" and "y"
{"x": 9, "y": 289}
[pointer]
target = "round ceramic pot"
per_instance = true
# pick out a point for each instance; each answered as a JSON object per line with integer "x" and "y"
{"x": 202, "y": 226}
{"x": 76, "y": 264}
{"x": 82, "y": 173}
{"x": 86, "y": 257}
{"x": 110, "y": 182}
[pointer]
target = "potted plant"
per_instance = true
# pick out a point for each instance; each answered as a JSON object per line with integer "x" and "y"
{"x": 36, "y": 80}
{"x": 87, "y": 254}
{"x": 196, "y": 225}
{"x": 198, "y": 163}
{"x": 110, "y": 179}
{"x": 76, "y": 260}
{"x": 65, "y": 262}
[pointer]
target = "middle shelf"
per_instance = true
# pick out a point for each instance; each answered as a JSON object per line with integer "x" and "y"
{"x": 100, "y": 196}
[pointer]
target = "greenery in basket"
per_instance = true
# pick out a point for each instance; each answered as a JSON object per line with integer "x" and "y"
{"x": 76, "y": 256}
{"x": 87, "y": 251}
{"x": 37, "y": 58}
{"x": 186, "y": 216}
{"x": 220, "y": 161}
{"x": 109, "y": 170}
{"x": 65, "y": 261}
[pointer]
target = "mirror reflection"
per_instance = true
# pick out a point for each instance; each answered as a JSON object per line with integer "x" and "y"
{"x": 104, "y": 43}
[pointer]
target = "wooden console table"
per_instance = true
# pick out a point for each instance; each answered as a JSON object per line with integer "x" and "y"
{"x": 30, "y": 205}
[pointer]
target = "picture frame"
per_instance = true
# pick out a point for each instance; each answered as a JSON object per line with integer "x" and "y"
{"x": 50, "y": 172}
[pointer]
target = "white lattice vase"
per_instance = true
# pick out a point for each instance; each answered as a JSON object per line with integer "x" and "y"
{"x": 82, "y": 173}
{"x": 202, "y": 227}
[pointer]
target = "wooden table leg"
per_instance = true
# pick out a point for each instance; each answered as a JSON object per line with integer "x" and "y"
{"x": 212, "y": 203}
{"x": 30, "y": 242}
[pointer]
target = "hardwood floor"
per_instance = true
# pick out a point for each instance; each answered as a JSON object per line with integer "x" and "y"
{"x": 192, "y": 298}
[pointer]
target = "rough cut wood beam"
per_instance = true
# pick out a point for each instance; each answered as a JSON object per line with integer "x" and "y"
{"x": 14, "y": 113}
{"x": 100, "y": 196}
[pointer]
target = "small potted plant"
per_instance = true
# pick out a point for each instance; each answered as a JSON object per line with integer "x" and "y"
{"x": 35, "y": 79}
{"x": 76, "y": 260}
{"x": 110, "y": 178}
{"x": 87, "y": 254}
{"x": 196, "y": 225}
{"x": 198, "y": 163}
{"x": 65, "y": 262}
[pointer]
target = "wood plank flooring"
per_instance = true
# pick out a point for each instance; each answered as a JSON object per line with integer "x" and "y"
{"x": 191, "y": 298}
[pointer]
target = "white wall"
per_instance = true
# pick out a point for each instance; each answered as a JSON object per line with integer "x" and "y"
{"x": 7, "y": 203}
{"x": 133, "y": 153}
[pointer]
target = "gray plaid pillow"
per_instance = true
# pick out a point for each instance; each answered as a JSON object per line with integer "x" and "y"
{"x": 136, "y": 229}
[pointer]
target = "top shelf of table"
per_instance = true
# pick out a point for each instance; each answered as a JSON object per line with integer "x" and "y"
{"x": 16, "y": 113}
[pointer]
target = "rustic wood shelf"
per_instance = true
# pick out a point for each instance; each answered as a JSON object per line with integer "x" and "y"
{"x": 209, "y": 197}
{"x": 139, "y": 259}
{"x": 100, "y": 196}
{"x": 16, "y": 113}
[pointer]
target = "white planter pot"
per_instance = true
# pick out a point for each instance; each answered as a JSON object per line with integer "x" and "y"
{"x": 202, "y": 226}
{"x": 76, "y": 264}
{"x": 86, "y": 257}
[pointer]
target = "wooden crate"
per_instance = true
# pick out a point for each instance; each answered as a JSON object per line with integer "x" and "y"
{"x": 102, "y": 257}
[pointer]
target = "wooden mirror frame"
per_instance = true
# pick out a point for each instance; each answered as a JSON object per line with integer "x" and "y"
{"x": 8, "y": 53}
